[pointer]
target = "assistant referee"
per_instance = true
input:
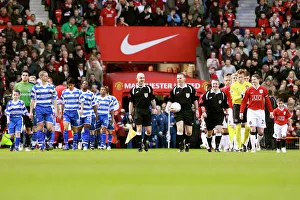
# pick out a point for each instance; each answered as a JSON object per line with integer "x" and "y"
{"x": 141, "y": 98}
{"x": 213, "y": 103}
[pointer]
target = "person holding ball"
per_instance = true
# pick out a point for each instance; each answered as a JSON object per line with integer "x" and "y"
{"x": 185, "y": 95}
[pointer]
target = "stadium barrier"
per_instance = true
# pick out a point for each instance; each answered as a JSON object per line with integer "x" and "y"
{"x": 293, "y": 142}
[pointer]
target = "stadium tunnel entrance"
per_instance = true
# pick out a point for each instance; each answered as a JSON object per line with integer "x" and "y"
{"x": 162, "y": 83}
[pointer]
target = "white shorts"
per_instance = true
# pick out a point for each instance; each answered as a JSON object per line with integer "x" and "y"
{"x": 256, "y": 118}
{"x": 280, "y": 131}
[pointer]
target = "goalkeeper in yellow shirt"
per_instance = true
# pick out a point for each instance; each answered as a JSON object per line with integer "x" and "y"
{"x": 237, "y": 91}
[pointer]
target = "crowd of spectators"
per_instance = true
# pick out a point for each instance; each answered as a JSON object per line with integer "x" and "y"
{"x": 278, "y": 13}
{"x": 189, "y": 13}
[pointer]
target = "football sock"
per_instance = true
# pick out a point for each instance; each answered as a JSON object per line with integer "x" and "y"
{"x": 17, "y": 142}
{"x": 221, "y": 145}
{"x": 34, "y": 139}
{"x": 246, "y": 134}
{"x": 278, "y": 143}
{"x": 75, "y": 139}
{"x": 138, "y": 140}
{"x": 209, "y": 139}
{"x": 79, "y": 137}
{"x": 40, "y": 139}
{"x": 231, "y": 132}
{"x": 146, "y": 137}
{"x": 213, "y": 141}
{"x": 109, "y": 139}
{"x": 226, "y": 141}
{"x": 92, "y": 140}
{"x": 253, "y": 140}
{"x": 259, "y": 138}
{"x": 28, "y": 140}
{"x": 283, "y": 142}
{"x": 187, "y": 139}
{"x": 204, "y": 139}
{"x": 99, "y": 139}
{"x": 218, "y": 140}
{"x": 180, "y": 138}
{"x": 235, "y": 146}
{"x": 85, "y": 137}
{"x": 66, "y": 137}
{"x": 52, "y": 138}
{"x": 238, "y": 135}
{"x": 103, "y": 138}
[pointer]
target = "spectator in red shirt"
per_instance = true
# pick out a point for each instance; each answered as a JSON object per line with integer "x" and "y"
{"x": 263, "y": 21}
{"x": 154, "y": 4}
{"x": 287, "y": 6}
{"x": 229, "y": 17}
{"x": 108, "y": 15}
{"x": 3, "y": 16}
{"x": 276, "y": 8}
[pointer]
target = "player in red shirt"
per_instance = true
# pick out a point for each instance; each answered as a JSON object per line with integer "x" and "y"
{"x": 257, "y": 96}
{"x": 108, "y": 16}
{"x": 281, "y": 120}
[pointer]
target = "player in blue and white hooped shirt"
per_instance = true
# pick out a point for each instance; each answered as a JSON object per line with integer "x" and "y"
{"x": 110, "y": 127}
{"x": 104, "y": 109}
{"x": 15, "y": 109}
{"x": 44, "y": 100}
{"x": 95, "y": 91}
{"x": 89, "y": 108}
{"x": 72, "y": 107}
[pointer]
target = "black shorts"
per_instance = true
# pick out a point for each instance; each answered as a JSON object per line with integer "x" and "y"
{"x": 214, "y": 119}
{"x": 236, "y": 114}
{"x": 187, "y": 116}
{"x": 142, "y": 117}
{"x": 27, "y": 122}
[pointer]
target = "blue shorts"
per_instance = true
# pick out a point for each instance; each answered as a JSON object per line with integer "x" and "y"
{"x": 72, "y": 117}
{"x": 110, "y": 127}
{"x": 93, "y": 123}
{"x": 102, "y": 121}
{"x": 86, "y": 120}
{"x": 44, "y": 114}
{"x": 15, "y": 125}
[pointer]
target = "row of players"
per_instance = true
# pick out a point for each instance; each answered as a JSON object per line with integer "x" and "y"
{"x": 78, "y": 109}
{"x": 245, "y": 105}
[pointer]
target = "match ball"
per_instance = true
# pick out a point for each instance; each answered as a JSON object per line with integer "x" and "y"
{"x": 176, "y": 106}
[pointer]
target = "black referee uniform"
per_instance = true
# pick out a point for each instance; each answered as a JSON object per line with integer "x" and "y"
{"x": 185, "y": 96}
{"x": 214, "y": 103}
{"x": 141, "y": 97}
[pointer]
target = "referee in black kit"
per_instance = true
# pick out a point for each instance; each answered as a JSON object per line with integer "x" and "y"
{"x": 141, "y": 97}
{"x": 214, "y": 101}
{"x": 185, "y": 95}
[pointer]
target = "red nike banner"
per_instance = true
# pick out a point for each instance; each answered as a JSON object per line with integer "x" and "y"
{"x": 147, "y": 44}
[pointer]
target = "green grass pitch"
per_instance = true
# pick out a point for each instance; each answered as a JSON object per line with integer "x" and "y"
{"x": 157, "y": 174}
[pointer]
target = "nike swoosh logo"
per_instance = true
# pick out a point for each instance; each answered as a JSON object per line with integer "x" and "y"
{"x": 129, "y": 49}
